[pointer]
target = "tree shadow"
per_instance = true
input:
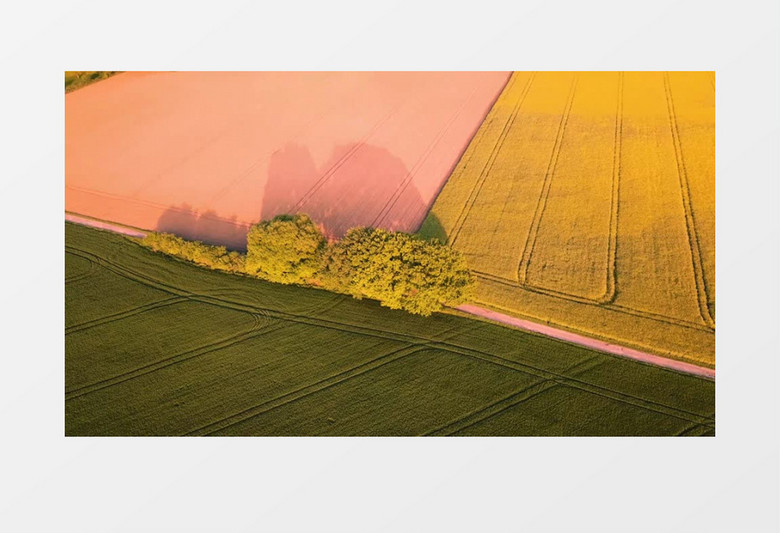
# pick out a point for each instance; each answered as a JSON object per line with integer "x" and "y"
{"x": 432, "y": 229}
{"x": 358, "y": 185}
{"x": 207, "y": 227}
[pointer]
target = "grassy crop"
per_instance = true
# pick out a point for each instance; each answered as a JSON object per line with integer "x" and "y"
{"x": 76, "y": 79}
{"x": 158, "y": 346}
{"x": 587, "y": 200}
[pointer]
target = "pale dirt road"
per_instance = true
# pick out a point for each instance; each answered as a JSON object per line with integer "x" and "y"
{"x": 588, "y": 342}
{"x": 100, "y": 224}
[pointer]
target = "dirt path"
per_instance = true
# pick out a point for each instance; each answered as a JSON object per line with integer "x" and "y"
{"x": 588, "y": 342}
{"x": 99, "y": 224}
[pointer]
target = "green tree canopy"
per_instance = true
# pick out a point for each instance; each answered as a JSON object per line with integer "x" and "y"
{"x": 286, "y": 249}
{"x": 400, "y": 270}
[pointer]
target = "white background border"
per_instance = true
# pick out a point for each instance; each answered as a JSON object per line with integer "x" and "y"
{"x": 726, "y": 483}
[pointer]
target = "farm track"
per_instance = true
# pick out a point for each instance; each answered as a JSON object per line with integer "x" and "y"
{"x": 690, "y": 224}
{"x": 461, "y": 220}
{"x": 413, "y": 341}
{"x": 541, "y": 204}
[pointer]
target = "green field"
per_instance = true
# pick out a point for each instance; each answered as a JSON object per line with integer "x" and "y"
{"x": 76, "y": 79}
{"x": 157, "y": 346}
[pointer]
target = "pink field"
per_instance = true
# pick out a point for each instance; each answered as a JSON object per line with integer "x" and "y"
{"x": 205, "y": 154}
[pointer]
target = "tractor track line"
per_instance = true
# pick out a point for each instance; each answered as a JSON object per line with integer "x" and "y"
{"x": 303, "y": 392}
{"x": 541, "y": 204}
{"x": 641, "y": 403}
{"x": 124, "y": 314}
{"x": 221, "y": 344}
{"x": 595, "y": 303}
{"x": 690, "y": 222}
{"x": 492, "y": 409}
{"x": 483, "y": 175}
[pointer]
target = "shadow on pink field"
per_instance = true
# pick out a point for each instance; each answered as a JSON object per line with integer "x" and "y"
{"x": 358, "y": 185}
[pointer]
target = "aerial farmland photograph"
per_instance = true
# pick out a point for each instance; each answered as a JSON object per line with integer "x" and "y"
{"x": 357, "y": 253}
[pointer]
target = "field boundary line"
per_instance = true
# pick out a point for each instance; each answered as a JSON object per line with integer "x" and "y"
{"x": 480, "y": 181}
{"x": 390, "y": 204}
{"x": 483, "y": 413}
{"x": 541, "y": 203}
{"x": 690, "y": 223}
{"x": 589, "y": 342}
{"x": 476, "y": 140}
{"x": 308, "y": 390}
{"x": 611, "y": 290}
{"x": 491, "y": 278}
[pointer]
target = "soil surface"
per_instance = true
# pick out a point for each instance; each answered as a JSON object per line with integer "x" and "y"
{"x": 206, "y": 154}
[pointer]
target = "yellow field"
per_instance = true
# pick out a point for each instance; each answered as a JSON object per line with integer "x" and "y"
{"x": 587, "y": 200}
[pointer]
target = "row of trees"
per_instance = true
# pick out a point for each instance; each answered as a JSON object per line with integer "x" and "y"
{"x": 400, "y": 270}
{"x": 216, "y": 257}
